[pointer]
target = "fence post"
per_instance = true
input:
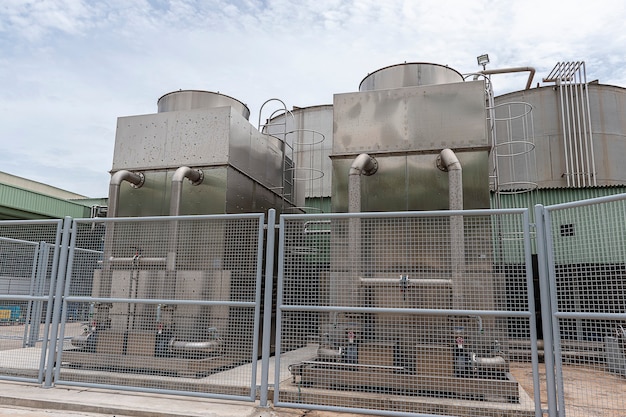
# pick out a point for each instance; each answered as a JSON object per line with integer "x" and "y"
{"x": 267, "y": 310}
{"x": 58, "y": 303}
{"x": 546, "y": 309}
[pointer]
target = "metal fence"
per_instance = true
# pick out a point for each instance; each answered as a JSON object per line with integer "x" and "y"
{"x": 584, "y": 303}
{"x": 413, "y": 313}
{"x": 29, "y": 260}
{"x": 168, "y": 305}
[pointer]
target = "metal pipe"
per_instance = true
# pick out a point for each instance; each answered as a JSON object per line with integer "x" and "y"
{"x": 136, "y": 179}
{"x": 344, "y": 292}
{"x": 195, "y": 176}
{"x": 531, "y": 70}
{"x": 448, "y": 161}
{"x": 207, "y": 346}
{"x": 363, "y": 164}
{"x": 409, "y": 282}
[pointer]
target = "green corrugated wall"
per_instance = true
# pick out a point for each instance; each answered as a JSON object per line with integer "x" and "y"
{"x": 20, "y": 204}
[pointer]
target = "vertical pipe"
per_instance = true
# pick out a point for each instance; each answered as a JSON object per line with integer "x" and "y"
{"x": 588, "y": 119}
{"x": 568, "y": 169}
{"x": 449, "y": 162}
{"x": 195, "y": 176}
{"x": 136, "y": 179}
{"x": 344, "y": 291}
{"x": 579, "y": 130}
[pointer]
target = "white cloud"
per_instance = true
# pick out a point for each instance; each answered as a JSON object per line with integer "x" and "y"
{"x": 71, "y": 67}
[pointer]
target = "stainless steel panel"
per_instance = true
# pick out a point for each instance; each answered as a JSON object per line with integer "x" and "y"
{"x": 211, "y": 139}
{"x": 195, "y": 99}
{"x": 413, "y": 182}
{"x": 153, "y": 198}
{"x": 411, "y": 119}
{"x": 173, "y": 139}
{"x": 409, "y": 75}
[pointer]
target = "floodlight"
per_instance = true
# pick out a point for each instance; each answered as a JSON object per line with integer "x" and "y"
{"x": 483, "y": 60}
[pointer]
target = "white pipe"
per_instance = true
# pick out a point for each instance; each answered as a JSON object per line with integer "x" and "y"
{"x": 195, "y": 176}
{"x": 449, "y": 162}
{"x": 345, "y": 290}
{"x": 135, "y": 178}
{"x": 362, "y": 165}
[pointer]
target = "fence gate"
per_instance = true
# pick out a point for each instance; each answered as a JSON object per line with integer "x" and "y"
{"x": 164, "y": 304}
{"x": 29, "y": 258}
{"x": 582, "y": 251}
{"x": 412, "y": 313}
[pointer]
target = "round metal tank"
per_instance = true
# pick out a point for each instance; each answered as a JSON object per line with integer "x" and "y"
{"x": 310, "y": 136}
{"x": 409, "y": 75}
{"x": 607, "y": 105}
{"x": 197, "y": 99}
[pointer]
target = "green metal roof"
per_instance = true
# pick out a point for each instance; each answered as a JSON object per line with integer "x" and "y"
{"x": 19, "y": 203}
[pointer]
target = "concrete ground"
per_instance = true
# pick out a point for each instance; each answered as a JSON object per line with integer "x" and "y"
{"x": 27, "y": 400}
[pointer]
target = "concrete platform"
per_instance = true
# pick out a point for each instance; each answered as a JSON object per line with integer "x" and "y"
{"x": 235, "y": 381}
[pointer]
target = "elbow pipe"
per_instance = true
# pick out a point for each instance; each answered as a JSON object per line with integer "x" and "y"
{"x": 136, "y": 179}
{"x": 364, "y": 165}
{"x": 195, "y": 176}
{"x": 531, "y": 74}
{"x": 447, "y": 161}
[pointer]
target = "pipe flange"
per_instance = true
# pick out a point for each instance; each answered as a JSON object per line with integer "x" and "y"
{"x": 200, "y": 178}
{"x": 440, "y": 164}
{"x": 372, "y": 169}
{"x": 142, "y": 180}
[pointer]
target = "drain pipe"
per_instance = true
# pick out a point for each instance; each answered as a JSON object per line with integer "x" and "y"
{"x": 447, "y": 161}
{"x": 136, "y": 179}
{"x": 346, "y": 288}
{"x": 362, "y": 165}
{"x": 195, "y": 176}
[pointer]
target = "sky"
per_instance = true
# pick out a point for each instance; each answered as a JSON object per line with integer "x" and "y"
{"x": 70, "y": 68}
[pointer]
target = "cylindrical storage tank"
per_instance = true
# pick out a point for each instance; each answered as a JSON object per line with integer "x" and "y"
{"x": 602, "y": 147}
{"x": 409, "y": 75}
{"x": 197, "y": 99}
{"x": 310, "y": 136}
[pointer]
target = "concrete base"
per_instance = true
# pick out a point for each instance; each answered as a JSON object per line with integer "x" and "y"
{"x": 294, "y": 393}
{"x": 177, "y": 366}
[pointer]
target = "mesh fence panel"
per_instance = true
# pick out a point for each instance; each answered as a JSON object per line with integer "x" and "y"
{"x": 28, "y": 258}
{"x": 405, "y": 313}
{"x": 168, "y": 304}
{"x": 588, "y": 271}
